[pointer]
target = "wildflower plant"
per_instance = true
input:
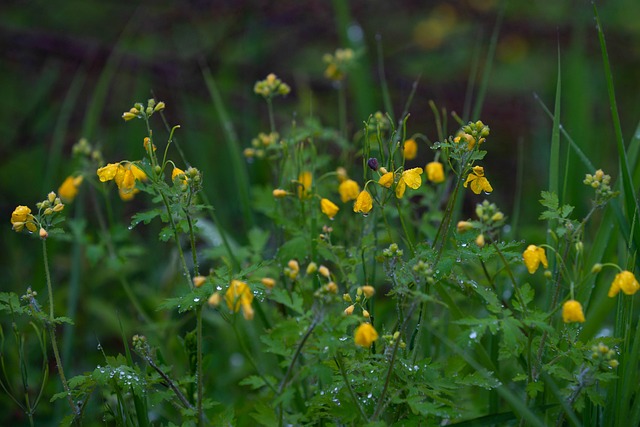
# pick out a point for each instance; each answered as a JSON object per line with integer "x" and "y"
{"x": 365, "y": 293}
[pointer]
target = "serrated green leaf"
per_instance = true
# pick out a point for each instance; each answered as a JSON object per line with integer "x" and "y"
{"x": 549, "y": 200}
{"x": 533, "y": 388}
{"x": 256, "y": 382}
{"x": 187, "y": 302}
{"x": 145, "y": 217}
{"x": 292, "y": 300}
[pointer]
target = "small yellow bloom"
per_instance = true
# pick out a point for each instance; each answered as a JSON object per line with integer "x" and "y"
{"x": 435, "y": 172}
{"x": 214, "y": 299}
{"x": 478, "y": 181}
{"x": 410, "y": 149}
{"x": 176, "y": 173}
{"x": 239, "y": 295}
{"x": 349, "y": 310}
{"x": 410, "y": 178}
{"x": 533, "y": 256}
{"x": 480, "y": 240}
{"x": 572, "y": 312}
{"x": 279, "y": 193}
{"x": 312, "y": 267}
{"x": 363, "y": 203}
{"x": 125, "y": 176}
{"x": 329, "y": 208}
{"x": 366, "y": 313}
{"x": 146, "y": 142}
{"x": 624, "y": 281}
{"x": 20, "y": 214}
{"x": 199, "y": 281}
{"x": 305, "y": 179}
{"x": 365, "y": 335}
{"x": 68, "y": 190}
{"x": 464, "y": 226}
{"x": 368, "y": 290}
{"x": 324, "y": 271}
{"x": 21, "y": 217}
{"x": 268, "y": 282}
{"x": 332, "y": 287}
{"x": 348, "y": 190}
{"x": 293, "y": 265}
{"x": 386, "y": 179}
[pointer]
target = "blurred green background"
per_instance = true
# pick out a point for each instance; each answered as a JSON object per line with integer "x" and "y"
{"x": 68, "y": 69}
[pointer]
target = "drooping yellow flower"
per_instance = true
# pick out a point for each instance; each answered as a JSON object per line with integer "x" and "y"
{"x": 410, "y": 149}
{"x": 572, "y": 312}
{"x": 533, "y": 256}
{"x": 305, "y": 179}
{"x": 21, "y": 217}
{"x": 435, "y": 172}
{"x": 279, "y": 193}
{"x": 176, "y": 173}
{"x": 368, "y": 290}
{"x": 68, "y": 190}
{"x": 363, "y": 203}
{"x": 329, "y": 208}
{"x": 365, "y": 335}
{"x": 125, "y": 176}
{"x": 239, "y": 295}
{"x": 348, "y": 190}
{"x": 410, "y": 178}
{"x": 624, "y": 281}
{"x": 386, "y": 179}
{"x": 478, "y": 181}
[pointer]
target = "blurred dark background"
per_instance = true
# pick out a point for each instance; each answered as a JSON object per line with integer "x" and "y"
{"x": 69, "y": 69}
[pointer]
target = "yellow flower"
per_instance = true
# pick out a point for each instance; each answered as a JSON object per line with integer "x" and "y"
{"x": 386, "y": 180}
{"x": 478, "y": 181}
{"x": 329, "y": 208}
{"x": 368, "y": 290}
{"x": 268, "y": 282}
{"x": 125, "y": 177}
{"x": 365, "y": 335}
{"x": 363, "y": 203}
{"x": 304, "y": 184}
{"x": 214, "y": 299}
{"x": 68, "y": 190}
{"x": 410, "y": 149}
{"x": 533, "y": 256}
{"x": 279, "y": 193}
{"x": 624, "y": 281}
{"x": 410, "y": 178}
{"x": 199, "y": 281}
{"x": 21, "y": 217}
{"x": 349, "y": 310}
{"x": 435, "y": 172}
{"x": 176, "y": 173}
{"x": 348, "y": 190}
{"x": 464, "y": 226}
{"x": 572, "y": 312}
{"x": 239, "y": 295}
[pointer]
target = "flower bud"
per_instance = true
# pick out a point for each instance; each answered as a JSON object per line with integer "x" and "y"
{"x": 366, "y": 314}
{"x": 480, "y": 240}
{"x": 597, "y": 267}
{"x": 349, "y": 310}
{"x": 373, "y": 164}
{"x": 324, "y": 271}
{"x": 368, "y": 291}
{"x": 268, "y": 282}
{"x": 199, "y": 281}
{"x": 214, "y": 299}
{"x": 43, "y": 233}
{"x": 464, "y": 226}
{"x": 312, "y": 267}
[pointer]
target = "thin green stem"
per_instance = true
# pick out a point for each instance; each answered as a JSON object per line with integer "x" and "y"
{"x": 511, "y": 276}
{"x": 177, "y": 239}
{"x": 200, "y": 373}
{"x": 338, "y": 360}
{"x": 251, "y": 360}
{"x": 404, "y": 228}
{"x": 297, "y": 353}
{"x": 272, "y": 121}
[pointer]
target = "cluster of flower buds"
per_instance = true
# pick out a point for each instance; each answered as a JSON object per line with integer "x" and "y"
{"x": 601, "y": 182}
{"x": 391, "y": 339}
{"x": 393, "y": 251}
{"x": 259, "y": 145}
{"x": 140, "y": 111}
{"x": 604, "y": 357}
{"x": 338, "y": 64}
{"x": 271, "y": 86}
{"x": 377, "y": 121}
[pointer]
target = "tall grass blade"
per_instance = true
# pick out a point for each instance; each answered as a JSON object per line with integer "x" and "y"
{"x": 238, "y": 166}
{"x": 486, "y": 73}
{"x": 628, "y": 192}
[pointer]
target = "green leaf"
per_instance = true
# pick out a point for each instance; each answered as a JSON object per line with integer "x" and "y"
{"x": 189, "y": 301}
{"x": 292, "y": 300}
{"x": 256, "y": 382}
{"x": 145, "y": 217}
{"x": 533, "y": 388}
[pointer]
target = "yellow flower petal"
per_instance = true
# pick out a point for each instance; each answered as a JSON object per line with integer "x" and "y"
{"x": 435, "y": 172}
{"x": 329, "y": 208}
{"x": 410, "y": 149}
{"x": 572, "y": 312}
{"x": 137, "y": 172}
{"x": 365, "y": 335}
{"x": 386, "y": 180}
{"x": 349, "y": 190}
{"x": 108, "y": 172}
{"x": 363, "y": 203}
{"x": 401, "y": 186}
{"x": 412, "y": 177}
